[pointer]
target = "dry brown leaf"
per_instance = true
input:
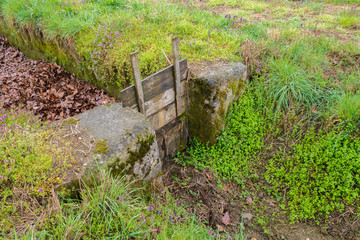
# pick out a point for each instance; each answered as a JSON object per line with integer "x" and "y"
{"x": 226, "y": 219}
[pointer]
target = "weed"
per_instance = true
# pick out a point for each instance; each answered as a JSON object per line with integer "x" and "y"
{"x": 235, "y": 151}
{"x": 106, "y": 33}
{"x": 348, "y": 19}
{"x": 320, "y": 173}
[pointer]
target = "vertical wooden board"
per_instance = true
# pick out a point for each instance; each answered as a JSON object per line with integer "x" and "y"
{"x": 137, "y": 80}
{"x": 175, "y": 48}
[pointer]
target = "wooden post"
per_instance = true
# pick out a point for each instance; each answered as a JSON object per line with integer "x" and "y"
{"x": 175, "y": 49}
{"x": 137, "y": 80}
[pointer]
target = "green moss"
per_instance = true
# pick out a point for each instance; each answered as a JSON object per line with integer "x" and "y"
{"x": 145, "y": 144}
{"x": 69, "y": 121}
{"x": 202, "y": 124}
{"x": 200, "y": 112}
{"x": 134, "y": 156}
{"x": 101, "y": 147}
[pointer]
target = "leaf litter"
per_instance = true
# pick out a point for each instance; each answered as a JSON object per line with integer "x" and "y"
{"x": 46, "y": 89}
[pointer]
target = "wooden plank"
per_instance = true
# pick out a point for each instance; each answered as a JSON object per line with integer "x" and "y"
{"x": 164, "y": 115}
{"x": 137, "y": 80}
{"x": 154, "y": 84}
{"x": 175, "y": 49}
{"x": 160, "y": 101}
{"x": 170, "y": 136}
{"x": 157, "y": 103}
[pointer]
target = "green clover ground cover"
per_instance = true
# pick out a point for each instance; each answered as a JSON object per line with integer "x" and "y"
{"x": 290, "y": 91}
{"x": 323, "y": 172}
{"x": 319, "y": 169}
{"x": 233, "y": 154}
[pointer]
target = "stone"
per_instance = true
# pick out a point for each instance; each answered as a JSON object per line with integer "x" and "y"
{"x": 124, "y": 142}
{"x": 247, "y": 216}
{"x": 213, "y": 88}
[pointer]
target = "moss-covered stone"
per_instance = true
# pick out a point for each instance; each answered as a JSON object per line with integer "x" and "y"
{"x": 101, "y": 147}
{"x": 134, "y": 155}
{"x": 145, "y": 144}
{"x": 200, "y": 110}
{"x": 213, "y": 88}
{"x": 127, "y": 167}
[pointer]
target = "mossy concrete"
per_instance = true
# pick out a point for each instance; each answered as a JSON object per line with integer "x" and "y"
{"x": 213, "y": 87}
{"x": 135, "y": 155}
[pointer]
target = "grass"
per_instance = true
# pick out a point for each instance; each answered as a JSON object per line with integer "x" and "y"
{"x": 348, "y": 108}
{"x": 290, "y": 61}
{"x": 303, "y": 59}
{"x": 106, "y": 32}
{"x": 291, "y": 86}
{"x": 145, "y": 26}
{"x": 348, "y": 19}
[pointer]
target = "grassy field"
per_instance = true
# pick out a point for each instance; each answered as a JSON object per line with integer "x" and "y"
{"x": 106, "y": 32}
{"x": 293, "y": 136}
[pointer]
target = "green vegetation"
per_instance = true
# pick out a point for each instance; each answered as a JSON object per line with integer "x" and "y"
{"x": 106, "y": 32}
{"x": 232, "y": 156}
{"x": 317, "y": 169}
{"x": 101, "y": 147}
{"x": 294, "y": 134}
{"x": 113, "y": 209}
{"x": 30, "y": 165}
{"x": 322, "y": 172}
{"x": 289, "y": 84}
{"x": 110, "y": 208}
{"x": 103, "y": 33}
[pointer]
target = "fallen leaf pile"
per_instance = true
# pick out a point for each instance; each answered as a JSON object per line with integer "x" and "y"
{"x": 45, "y": 89}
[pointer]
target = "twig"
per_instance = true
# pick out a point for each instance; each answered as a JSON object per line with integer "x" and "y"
{"x": 166, "y": 57}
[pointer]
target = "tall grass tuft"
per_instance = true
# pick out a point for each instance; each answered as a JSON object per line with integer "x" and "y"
{"x": 291, "y": 87}
{"x": 348, "y": 108}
